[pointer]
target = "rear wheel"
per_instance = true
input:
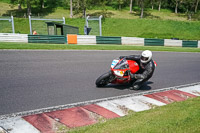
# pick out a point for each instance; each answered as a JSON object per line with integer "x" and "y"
{"x": 103, "y": 80}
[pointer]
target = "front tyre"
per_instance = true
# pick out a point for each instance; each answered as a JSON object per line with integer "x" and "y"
{"x": 103, "y": 80}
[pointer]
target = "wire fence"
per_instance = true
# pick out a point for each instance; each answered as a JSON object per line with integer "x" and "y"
{"x": 41, "y": 27}
{"x": 7, "y": 25}
{"x": 94, "y": 23}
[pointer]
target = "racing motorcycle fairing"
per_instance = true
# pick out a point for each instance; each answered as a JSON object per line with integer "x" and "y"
{"x": 122, "y": 68}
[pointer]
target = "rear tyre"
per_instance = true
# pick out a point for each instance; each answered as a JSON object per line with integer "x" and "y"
{"x": 103, "y": 80}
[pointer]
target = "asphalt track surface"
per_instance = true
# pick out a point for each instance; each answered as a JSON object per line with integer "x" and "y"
{"x": 38, "y": 79}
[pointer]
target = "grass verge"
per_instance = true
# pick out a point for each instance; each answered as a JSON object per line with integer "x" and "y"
{"x": 149, "y": 28}
{"x": 145, "y": 28}
{"x": 178, "y": 117}
{"x": 43, "y": 46}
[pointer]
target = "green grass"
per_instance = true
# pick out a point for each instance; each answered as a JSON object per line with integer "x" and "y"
{"x": 91, "y": 47}
{"x": 149, "y": 28}
{"x": 179, "y": 117}
{"x": 145, "y": 28}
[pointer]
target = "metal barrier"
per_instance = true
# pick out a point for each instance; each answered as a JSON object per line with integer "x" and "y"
{"x": 108, "y": 40}
{"x": 132, "y": 41}
{"x": 153, "y": 42}
{"x": 10, "y": 37}
{"x": 46, "y": 39}
{"x": 10, "y": 20}
{"x": 190, "y": 44}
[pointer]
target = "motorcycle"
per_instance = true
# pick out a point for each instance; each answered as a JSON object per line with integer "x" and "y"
{"x": 119, "y": 73}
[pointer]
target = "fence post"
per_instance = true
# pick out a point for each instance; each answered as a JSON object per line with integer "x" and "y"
{"x": 63, "y": 20}
{"x": 100, "y": 29}
{"x": 13, "y": 26}
{"x": 87, "y": 21}
{"x": 30, "y": 25}
{"x": 11, "y": 19}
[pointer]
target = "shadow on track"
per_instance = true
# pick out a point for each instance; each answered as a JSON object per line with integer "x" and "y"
{"x": 144, "y": 87}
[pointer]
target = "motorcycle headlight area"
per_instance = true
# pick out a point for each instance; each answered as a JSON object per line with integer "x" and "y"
{"x": 119, "y": 73}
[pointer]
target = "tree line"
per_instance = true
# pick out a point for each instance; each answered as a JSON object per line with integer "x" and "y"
{"x": 189, "y": 7}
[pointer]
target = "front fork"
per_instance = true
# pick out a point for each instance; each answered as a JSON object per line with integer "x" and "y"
{"x": 112, "y": 77}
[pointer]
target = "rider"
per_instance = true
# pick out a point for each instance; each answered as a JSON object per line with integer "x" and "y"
{"x": 146, "y": 70}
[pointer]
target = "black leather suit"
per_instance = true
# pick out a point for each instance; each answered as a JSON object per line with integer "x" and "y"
{"x": 145, "y": 72}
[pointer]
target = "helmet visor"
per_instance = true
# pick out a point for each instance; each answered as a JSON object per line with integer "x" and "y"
{"x": 144, "y": 58}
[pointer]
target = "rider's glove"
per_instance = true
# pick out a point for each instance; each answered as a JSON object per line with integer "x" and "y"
{"x": 132, "y": 75}
{"x": 139, "y": 76}
{"x": 136, "y": 76}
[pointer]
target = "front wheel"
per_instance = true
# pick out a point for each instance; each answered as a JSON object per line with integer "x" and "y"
{"x": 103, "y": 80}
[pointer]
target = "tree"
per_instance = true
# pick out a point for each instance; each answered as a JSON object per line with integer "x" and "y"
{"x": 142, "y": 8}
{"x": 84, "y": 4}
{"x": 131, "y": 6}
{"x": 18, "y": 2}
{"x": 87, "y": 4}
{"x": 28, "y": 3}
{"x": 84, "y": 7}
{"x": 176, "y": 7}
{"x": 196, "y": 6}
{"x": 175, "y": 4}
{"x": 189, "y": 5}
{"x": 20, "y": 5}
{"x": 152, "y": 4}
{"x": 102, "y": 4}
{"x": 71, "y": 9}
{"x": 120, "y": 2}
{"x": 41, "y": 4}
{"x": 159, "y": 4}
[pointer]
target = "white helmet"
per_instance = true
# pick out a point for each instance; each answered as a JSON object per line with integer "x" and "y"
{"x": 146, "y": 56}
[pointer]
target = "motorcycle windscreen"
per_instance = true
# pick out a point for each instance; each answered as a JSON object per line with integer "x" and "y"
{"x": 123, "y": 64}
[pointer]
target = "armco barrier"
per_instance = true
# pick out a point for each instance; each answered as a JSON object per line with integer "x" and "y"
{"x": 108, "y": 40}
{"x": 86, "y": 39}
{"x": 154, "y": 42}
{"x": 46, "y": 39}
{"x": 174, "y": 43}
{"x": 198, "y": 44}
{"x": 93, "y": 40}
{"x": 132, "y": 41}
{"x": 9, "y": 37}
{"x": 190, "y": 44}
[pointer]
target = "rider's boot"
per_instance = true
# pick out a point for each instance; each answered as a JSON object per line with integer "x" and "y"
{"x": 137, "y": 84}
{"x": 134, "y": 87}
